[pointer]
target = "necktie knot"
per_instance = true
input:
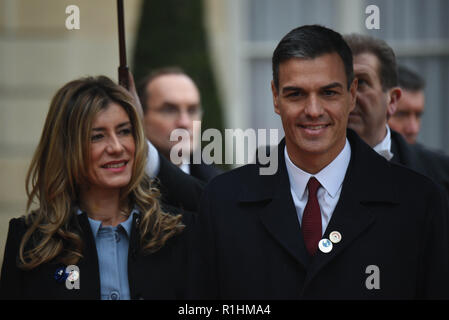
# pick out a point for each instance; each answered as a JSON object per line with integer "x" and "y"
{"x": 313, "y": 186}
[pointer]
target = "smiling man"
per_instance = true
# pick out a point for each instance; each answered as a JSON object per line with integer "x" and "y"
{"x": 314, "y": 108}
{"x": 334, "y": 210}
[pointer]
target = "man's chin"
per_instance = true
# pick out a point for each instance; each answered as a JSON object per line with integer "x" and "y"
{"x": 354, "y": 125}
{"x": 411, "y": 140}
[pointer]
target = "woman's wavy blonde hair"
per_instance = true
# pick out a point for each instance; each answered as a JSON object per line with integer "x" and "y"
{"x": 59, "y": 168}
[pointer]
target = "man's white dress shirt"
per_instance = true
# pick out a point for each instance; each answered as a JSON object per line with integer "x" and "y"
{"x": 331, "y": 179}
{"x": 384, "y": 147}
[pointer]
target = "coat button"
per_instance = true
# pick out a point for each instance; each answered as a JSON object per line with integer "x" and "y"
{"x": 114, "y": 295}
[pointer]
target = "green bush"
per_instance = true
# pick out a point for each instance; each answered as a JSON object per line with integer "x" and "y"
{"x": 172, "y": 33}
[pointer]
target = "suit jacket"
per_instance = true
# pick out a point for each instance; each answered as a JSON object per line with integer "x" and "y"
{"x": 204, "y": 172}
{"x": 251, "y": 246}
{"x": 177, "y": 188}
{"x": 433, "y": 164}
{"x": 160, "y": 275}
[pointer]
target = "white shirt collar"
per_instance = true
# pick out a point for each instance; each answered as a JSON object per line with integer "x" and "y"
{"x": 153, "y": 162}
{"x": 185, "y": 167}
{"x": 384, "y": 147}
{"x": 330, "y": 177}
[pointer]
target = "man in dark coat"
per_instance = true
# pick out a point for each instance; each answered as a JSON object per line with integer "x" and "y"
{"x": 336, "y": 221}
{"x": 177, "y": 188}
{"x": 171, "y": 100}
{"x": 432, "y": 163}
{"x": 378, "y": 96}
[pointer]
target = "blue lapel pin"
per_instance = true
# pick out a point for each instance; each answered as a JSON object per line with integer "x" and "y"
{"x": 60, "y": 274}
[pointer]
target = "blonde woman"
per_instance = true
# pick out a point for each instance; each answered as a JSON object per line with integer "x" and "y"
{"x": 98, "y": 230}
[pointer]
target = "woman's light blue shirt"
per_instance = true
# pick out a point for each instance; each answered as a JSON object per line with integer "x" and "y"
{"x": 112, "y": 249}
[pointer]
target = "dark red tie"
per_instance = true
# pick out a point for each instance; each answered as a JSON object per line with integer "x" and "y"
{"x": 311, "y": 218}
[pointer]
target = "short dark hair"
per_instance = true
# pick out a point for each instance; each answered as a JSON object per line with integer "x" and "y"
{"x": 410, "y": 80}
{"x": 309, "y": 42}
{"x": 387, "y": 72}
{"x": 155, "y": 73}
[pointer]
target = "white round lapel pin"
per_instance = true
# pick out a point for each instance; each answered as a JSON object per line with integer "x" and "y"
{"x": 325, "y": 245}
{"x": 335, "y": 236}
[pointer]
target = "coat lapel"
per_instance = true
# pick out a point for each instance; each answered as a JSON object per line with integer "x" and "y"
{"x": 280, "y": 219}
{"x": 88, "y": 264}
{"x": 278, "y": 215}
{"x": 367, "y": 181}
{"x": 401, "y": 150}
{"x": 351, "y": 219}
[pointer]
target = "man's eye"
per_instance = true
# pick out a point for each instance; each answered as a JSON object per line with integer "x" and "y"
{"x": 294, "y": 94}
{"x": 169, "y": 110}
{"x": 361, "y": 82}
{"x": 400, "y": 114}
{"x": 194, "y": 111}
{"x": 330, "y": 93}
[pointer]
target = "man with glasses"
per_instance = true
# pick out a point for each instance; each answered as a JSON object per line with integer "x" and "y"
{"x": 171, "y": 100}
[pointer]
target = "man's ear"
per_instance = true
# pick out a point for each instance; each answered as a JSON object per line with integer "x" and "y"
{"x": 353, "y": 93}
{"x": 275, "y": 97}
{"x": 394, "y": 95}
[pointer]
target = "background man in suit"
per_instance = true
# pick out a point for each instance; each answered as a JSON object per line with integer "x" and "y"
{"x": 336, "y": 220}
{"x": 171, "y": 100}
{"x": 377, "y": 92}
{"x": 177, "y": 188}
{"x": 378, "y": 97}
{"x": 407, "y": 118}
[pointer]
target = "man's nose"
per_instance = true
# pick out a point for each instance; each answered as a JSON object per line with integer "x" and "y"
{"x": 183, "y": 120}
{"x": 313, "y": 107}
{"x": 412, "y": 126}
